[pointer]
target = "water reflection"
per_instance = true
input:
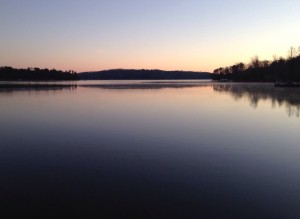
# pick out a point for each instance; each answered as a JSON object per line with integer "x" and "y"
{"x": 289, "y": 98}
{"x": 8, "y": 89}
{"x": 148, "y": 85}
{"x": 148, "y": 150}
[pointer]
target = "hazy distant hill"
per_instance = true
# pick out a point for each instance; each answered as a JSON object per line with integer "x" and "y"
{"x": 131, "y": 74}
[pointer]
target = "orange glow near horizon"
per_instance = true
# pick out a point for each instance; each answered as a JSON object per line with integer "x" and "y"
{"x": 189, "y": 36}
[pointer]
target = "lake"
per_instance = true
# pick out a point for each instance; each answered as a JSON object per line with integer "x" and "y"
{"x": 150, "y": 149}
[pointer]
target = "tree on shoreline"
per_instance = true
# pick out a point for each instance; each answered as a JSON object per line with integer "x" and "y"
{"x": 35, "y": 74}
{"x": 279, "y": 69}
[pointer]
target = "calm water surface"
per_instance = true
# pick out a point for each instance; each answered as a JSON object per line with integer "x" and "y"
{"x": 151, "y": 150}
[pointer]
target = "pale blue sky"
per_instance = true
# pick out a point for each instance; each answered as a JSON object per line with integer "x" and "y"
{"x": 196, "y": 35}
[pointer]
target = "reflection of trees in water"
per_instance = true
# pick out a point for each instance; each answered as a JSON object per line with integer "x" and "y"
{"x": 8, "y": 89}
{"x": 289, "y": 98}
{"x": 147, "y": 85}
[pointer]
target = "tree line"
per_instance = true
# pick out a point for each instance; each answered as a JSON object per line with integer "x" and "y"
{"x": 35, "y": 74}
{"x": 143, "y": 74}
{"x": 279, "y": 69}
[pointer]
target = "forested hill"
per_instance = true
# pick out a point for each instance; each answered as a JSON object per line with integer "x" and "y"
{"x": 131, "y": 74}
{"x": 35, "y": 74}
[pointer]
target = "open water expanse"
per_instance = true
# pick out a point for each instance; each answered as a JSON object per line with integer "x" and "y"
{"x": 150, "y": 149}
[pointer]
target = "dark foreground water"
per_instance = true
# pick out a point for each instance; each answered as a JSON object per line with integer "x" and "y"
{"x": 150, "y": 150}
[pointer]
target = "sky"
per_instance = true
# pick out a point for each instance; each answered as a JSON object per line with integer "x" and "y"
{"x": 196, "y": 35}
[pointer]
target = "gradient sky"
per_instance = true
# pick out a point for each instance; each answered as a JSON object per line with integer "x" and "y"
{"x": 198, "y": 35}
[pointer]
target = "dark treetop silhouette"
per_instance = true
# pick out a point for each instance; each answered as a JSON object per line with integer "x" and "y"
{"x": 132, "y": 74}
{"x": 279, "y": 69}
{"x": 35, "y": 74}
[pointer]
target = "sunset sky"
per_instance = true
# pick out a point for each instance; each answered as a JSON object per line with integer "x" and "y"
{"x": 197, "y": 35}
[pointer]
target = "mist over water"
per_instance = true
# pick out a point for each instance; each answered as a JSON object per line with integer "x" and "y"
{"x": 145, "y": 149}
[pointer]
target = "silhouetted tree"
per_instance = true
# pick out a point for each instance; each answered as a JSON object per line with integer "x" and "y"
{"x": 278, "y": 69}
{"x": 255, "y": 63}
{"x": 35, "y": 74}
{"x": 292, "y": 52}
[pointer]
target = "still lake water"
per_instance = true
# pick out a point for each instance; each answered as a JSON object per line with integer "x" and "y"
{"x": 142, "y": 149}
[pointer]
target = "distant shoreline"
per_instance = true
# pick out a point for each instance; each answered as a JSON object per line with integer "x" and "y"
{"x": 143, "y": 74}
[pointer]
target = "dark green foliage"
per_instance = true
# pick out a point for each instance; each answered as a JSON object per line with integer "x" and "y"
{"x": 35, "y": 74}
